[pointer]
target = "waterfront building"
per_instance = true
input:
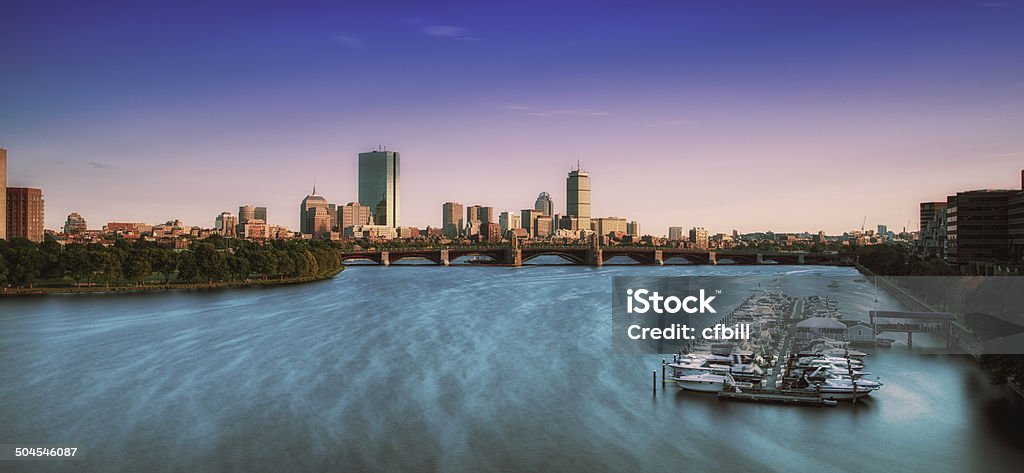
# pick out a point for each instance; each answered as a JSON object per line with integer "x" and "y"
{"x": 976, "y": 226}
{"x": 675, "y": 233}
{"x": 379, "y": 179}
{"x": 307, "y": 217}
{"x": 226, "y": 224}
{"x": 371, "y": 232}
{"x": 352, "y": 214}
{"x": 75, "y": 224}
{"x": 508, "y": 221}
{"x": 25, "y": 213}
{"x": 3, "y": 194}
{"x": 606, "y": 225}
{"x": 452, "y": 220}
{"x": 577, "y": 200}
{"x": 408, "y": 232}
{"x": 545, "y": 204}
{"x": 1015, "y": 222}
{"x": 699, "y": 237}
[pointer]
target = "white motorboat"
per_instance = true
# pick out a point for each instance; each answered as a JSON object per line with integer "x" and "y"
{"x": 704, "y": 382}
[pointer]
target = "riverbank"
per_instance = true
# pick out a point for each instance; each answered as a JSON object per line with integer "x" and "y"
{"x": 39, "y": 291}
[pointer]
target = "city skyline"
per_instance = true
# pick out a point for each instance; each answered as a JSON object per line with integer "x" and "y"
{"x": 711, "y": 116}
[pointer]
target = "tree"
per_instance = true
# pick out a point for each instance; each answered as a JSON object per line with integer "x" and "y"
{"x": 239, "y": 267}
{"x": 212, "y": 264}
{"x": 188, "y": 269}
{"x": 76, "y": 263}
{"x": 105, "y": 265}
{"x": 26, "y": 262}
{"x": 137, "y": 267}
{"x": 164, "y": 261}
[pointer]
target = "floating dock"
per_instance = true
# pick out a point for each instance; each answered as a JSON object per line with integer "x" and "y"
{"x": 778, "y": 397}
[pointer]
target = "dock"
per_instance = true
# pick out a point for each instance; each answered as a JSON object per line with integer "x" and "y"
{"x": 778, "y": 397}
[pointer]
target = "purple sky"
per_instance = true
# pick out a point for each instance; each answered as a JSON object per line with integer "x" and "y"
{"x": 757, "y": 115}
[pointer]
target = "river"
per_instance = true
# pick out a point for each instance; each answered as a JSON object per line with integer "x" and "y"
{"x": 447, "y": 369}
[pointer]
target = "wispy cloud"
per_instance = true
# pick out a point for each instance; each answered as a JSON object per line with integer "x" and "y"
{"x": 438, "y": 30}
{"x": 348, "y": 41}
{"x": 443, "y": 31}
{"x": 99, "y": 165}
{"x": 555, "y": 112}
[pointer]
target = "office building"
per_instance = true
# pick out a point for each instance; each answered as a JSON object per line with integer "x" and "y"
{"x": 545, "y": 204}
{"x": 25, "y": 213}
{"x": 246, "y": 213}
{"x": 472, "y": 220}
{"x": 227, "y": 224}
{"x": 352, "y": 214}
{"x": 379, "y": 178}
{"x": 529, "y": 216}
{"x": 675, "y": 233}
{"x": 307, "y": 212}
{"x": 255, "y": 229}
{"x": 75, "y": 224}
{"x": 577, "y": 197}
{"x": 452, "y": 219}
{"x": 1015, "y": 222}
{"x": 976, "y": 226}
{"x": 931, "y": 240}
{"x": 509, "y": 221}
{"x": 699, "y": 237}
{"x": 319, "y": 221}
{"x": 606, "y": 225}
{"x": 633, "y": 228}
{"x": 3, "y": 194}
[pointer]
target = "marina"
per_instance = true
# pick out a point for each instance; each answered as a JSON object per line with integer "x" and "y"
{"x": 788, "y": 358}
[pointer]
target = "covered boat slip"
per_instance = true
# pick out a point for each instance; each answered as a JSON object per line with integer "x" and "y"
{"x": 911, "y": 322}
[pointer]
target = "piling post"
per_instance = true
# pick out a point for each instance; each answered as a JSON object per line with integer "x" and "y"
{"x": 663, "y": 372}
{"x": 654, "y": 382}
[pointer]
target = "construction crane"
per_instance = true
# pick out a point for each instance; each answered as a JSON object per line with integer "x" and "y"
{"x": 863, "y": 223}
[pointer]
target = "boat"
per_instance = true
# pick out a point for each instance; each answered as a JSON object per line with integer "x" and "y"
{"x": 704, "y": 382}
{"x": 884, "y": 342}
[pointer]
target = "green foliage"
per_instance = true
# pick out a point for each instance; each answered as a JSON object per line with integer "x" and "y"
{"x": 24, "y": 263}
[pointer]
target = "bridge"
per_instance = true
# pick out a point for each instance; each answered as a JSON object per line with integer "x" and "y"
{"x": 515, "y": 255}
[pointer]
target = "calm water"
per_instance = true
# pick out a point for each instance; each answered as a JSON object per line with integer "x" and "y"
{"x": 444, "y": 369}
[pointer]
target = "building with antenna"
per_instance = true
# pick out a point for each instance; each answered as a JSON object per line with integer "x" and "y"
{"x": 577, "y": 197}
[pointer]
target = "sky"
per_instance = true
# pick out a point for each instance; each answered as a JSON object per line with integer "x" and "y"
{"x": 789, "y": 116}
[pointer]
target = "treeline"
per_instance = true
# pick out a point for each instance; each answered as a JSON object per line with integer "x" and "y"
{"x": 25, "y": 264}
{"x": 898, "y": 260}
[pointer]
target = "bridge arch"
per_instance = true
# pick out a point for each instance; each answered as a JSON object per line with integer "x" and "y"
{"x": 564, "y": 255}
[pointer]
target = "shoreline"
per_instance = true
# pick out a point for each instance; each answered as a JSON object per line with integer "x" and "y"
{"x": 42, "y": 291}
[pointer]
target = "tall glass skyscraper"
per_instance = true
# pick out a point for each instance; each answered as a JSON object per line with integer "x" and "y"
{"x": 378, "y": 185}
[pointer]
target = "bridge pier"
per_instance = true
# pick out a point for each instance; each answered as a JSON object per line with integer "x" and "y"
{"x": 760, "y": 258}
{"x": 597, "y": 257}
{"x": 800, "y": 259}
{"x": 659, "y": 257}
{"x": 712, "y": 258}
{"x": 516, "y": 257}
{"x": 384, "y": 258}
{"x": 444, "y": 257}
